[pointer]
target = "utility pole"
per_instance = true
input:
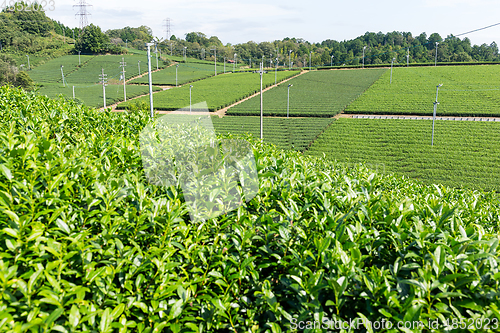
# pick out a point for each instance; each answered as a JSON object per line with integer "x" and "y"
{"x": 289, "y": 59}
{"x": 435, "y": 61}
{"x": 202, "y": 54}
{"x": 261, "y": 72}
{"x": 392, "y": 63}
{"x": 364, "y": 48}
{"x": 288, "y": 101}
{"x": 156, "y": 53}
{"x": 122, "y": 65}
{"x": 434, "y": 114}
{"x": 331, "y": 62}
{"x": 234, "y": 63}
{"x": 190, "y": 87}
{"x": 104, "y": 82}
{"x": 150, "y": 79}
{"x": 126, "y": 43}
{"x": 62, "y": 74}
{"x": 408, "y": 58}
{"x": 176, "y": 67}
{"x": 29, "y": 67}
{"x": 215, "y": 59}
{"x": 185, "y": 47}
{"x": 276, "y": 72}
{"x": 139, "y": 65}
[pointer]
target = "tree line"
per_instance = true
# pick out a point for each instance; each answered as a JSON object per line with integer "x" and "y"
{"x": 378, "y": 48}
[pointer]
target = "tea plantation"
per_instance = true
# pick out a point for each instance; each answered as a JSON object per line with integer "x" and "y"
{"x": 466, "y": 91}
{"x": 185, "y": 73}
{"x": 313, "y": 94}
{"x": 465, "y": 154}
{"x": 218, "y": 91}
{"x": 86, "y": 244}
{"x": 84, "y": 74}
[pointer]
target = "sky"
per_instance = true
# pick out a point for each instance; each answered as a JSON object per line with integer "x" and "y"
{"x": 239, "y": 21}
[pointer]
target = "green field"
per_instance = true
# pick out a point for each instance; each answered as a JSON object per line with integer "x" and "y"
{"x": 465, "y": 154}
{"x": 285, "y": 133}
{"x": 89, "y": 73}
{"x": 85, "y": 77}
{"x": 317, "y": 94}
{"x": 92, "y": 95}
{"x": 466, "y": 91}
{"x": 218, "y": 91}
{"x": 51, "y": 70}
{"x": 186, "y": 72}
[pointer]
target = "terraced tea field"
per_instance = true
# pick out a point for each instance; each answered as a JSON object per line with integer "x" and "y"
{"x": 92, "y": 95}
{"x": 89, "y": 73}
{"x": 466, "y": 91}
{"x": 86, "y": 76}
{"x": 464, "y": 153}
{"x": 186, "y": 72}
{"x": 218, "y": 91}
{"x": 51, "y": 70}
{"x": 285, "y": 133}
{"x": 314, "y": 94}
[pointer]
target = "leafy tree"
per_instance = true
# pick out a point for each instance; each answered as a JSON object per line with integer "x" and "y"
{"x": 10, "y": 74}
{"x": 92, "y": 40}
{"x": 33, "y": 22}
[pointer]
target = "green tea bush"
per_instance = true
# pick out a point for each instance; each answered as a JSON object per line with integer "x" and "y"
{"x": 86, "y": 244}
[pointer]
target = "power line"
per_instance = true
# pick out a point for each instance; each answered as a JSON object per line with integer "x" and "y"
{"x": 468, "y": 32}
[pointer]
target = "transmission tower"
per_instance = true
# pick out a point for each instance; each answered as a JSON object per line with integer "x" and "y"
{"x": 168, "y": 26}
{"x": 83, "y": 13}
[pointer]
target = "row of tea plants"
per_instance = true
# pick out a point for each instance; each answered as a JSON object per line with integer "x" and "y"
{"x": 86, "y": 244}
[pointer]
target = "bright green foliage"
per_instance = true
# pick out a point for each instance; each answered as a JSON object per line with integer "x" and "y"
{"x": 285, "y": 133}
{"x": 186, "y": 72}
{"x": 464, "y": 153}
{"x": 86, "y": 244}
{"x": 466, "y": 91}
{"x": 218, "y": 91}
{"x": 92, "y": 95}
{"x": 314, "y": 94}
{"x": 93, "y": 40}
{"x": 51, "y": 70}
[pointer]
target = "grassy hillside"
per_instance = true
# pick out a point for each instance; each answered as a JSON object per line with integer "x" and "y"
{"x": 86, "y": 243}
{"x": 465, "y": 154}
{"x": 466, "y": 91}
{"x": 314, "y": 94}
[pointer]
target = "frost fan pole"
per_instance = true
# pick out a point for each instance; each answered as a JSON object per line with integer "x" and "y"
{"x": 150, "y": 79}
{"x": 434, "y": 115}
{"x": 122, "y": 65}
{"x": 104, "y": 82}
{"x": 261, "y": 72}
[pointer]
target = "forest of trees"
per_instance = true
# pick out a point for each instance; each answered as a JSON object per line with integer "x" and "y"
{"x": 380, "y": 48}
